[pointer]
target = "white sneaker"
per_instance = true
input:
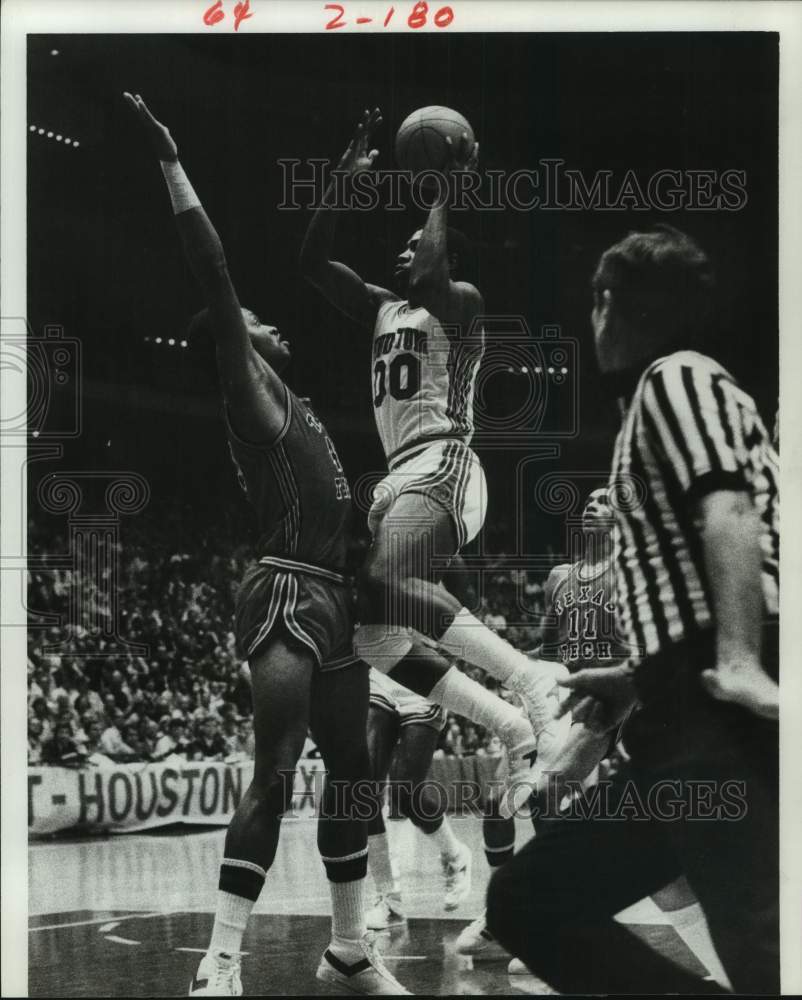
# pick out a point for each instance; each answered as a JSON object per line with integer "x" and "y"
{"x": 517, "y": 968}
{"x": 218, "y": 975}
{"x": 537, "y": 683}
{"x": 457, "y": 875}
{"x": 368, "y": 975}
{"x": 528, "y": 772}
{"x": 386, "y": 913}
{"x": 477, "y": 941}
{"x": 522, "y": 778}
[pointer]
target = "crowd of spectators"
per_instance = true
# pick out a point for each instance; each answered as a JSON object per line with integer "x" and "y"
{"x": 149, "y": 671}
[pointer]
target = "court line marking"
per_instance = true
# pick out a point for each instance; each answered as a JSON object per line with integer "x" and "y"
{"x": 202, "y": 951}
{"x": 103, "y": 920}
{"x": 121, "y": 940}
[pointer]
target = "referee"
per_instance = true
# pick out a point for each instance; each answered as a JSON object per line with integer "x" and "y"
{"x": 694, "y": 486}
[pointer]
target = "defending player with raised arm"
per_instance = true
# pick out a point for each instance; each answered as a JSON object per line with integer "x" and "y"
{"x": 293, "y": 620}
{"x": 427, "y": 344}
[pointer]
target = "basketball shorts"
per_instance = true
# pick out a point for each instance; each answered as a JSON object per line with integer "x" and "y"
{"x": 448, "y": 474}
{"x": 314, "y": 605}
{"x": 412, "y": 709}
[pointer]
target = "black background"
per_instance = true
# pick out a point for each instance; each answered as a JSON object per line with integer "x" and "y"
{"x": 104, "y": 261}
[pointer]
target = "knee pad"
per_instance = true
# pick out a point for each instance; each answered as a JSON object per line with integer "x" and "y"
{"x": 382, "y": 646}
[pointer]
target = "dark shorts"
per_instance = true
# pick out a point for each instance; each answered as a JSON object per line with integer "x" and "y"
{"x": 313, "y": 605}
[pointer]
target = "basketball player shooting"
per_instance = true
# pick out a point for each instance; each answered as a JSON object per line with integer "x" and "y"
{"x": 427, "y": 343}
{"x": 293, "y": 620}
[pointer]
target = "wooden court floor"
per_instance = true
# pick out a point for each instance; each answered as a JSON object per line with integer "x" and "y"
{"x": 129, "y": 916}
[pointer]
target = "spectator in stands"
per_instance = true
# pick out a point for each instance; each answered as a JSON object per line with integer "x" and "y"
{"x": 131, "y": 736}
{"x": 93, "y": 754}
{"x": 451, "y": 738}
{"x": 229, "y": 727}
{"x": 177, "y": 588}
{"x": 470, "y": 739}
{"x": 494, "y": 618}
{"x": 111, "y": 741}
{"x": 34, "y": 741}
{"x": 65, "y": 714}
{"x": 110, "y": 708}
{"x": 62, "y": 749}
{"x": 208, "y": 743}
{"x": 40, "y": 710}
{"x": 173, "y": 740}
{"x": 245, "y": 738}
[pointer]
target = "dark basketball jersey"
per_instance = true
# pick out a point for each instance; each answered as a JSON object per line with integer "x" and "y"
{"x": 585, "y": 608}
{"x": 299, "y": 490}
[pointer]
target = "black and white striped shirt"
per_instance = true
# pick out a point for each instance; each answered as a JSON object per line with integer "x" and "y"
{"x": 689, "y": 429}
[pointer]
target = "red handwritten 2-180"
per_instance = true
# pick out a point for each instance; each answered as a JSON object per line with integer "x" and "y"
{"x": 418, "y": 17}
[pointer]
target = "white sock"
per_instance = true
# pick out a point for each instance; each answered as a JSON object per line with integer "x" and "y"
{"x": 445, "y": 840}
{"x": 690, "y": 924}
{"x": 469, "y": 639}
{"x": 230, "y": 921}
{"x": 347, "y": 914}
{"x": 458, "y": 693}
{"x": 381, "y": 865}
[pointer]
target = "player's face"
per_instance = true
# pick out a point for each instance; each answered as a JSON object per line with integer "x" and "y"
{"x": 597, "y": 510}
{"x": 267, "y": 341}
{"x": 403, "y": 263}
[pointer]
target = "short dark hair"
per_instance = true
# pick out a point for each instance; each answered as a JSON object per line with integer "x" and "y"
{"x": 662, "y": 280}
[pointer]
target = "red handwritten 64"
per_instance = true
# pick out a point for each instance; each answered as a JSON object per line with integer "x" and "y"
{"x": 216, "y": 13}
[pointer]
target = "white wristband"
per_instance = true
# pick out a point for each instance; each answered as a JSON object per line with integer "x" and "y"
{"x": 182, "y": 194}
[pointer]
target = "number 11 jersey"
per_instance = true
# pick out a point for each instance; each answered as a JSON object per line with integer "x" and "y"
{"x": 585, "y": 608}
{"x": 423, "y": 377}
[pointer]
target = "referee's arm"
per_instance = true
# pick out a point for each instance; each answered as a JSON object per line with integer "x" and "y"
{"x": 704, "y": 425}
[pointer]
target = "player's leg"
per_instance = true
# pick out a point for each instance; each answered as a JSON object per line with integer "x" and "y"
{"x": 339, "y": 725}
{"x": 552, "y": 905}
{"x": 498, "y": 834}
{"x": 426, "y": 672}
{"x": 732, "y": 864}
{"x": 387, "y": 910}
{"x": 680, "y": 905}
{"x": 280, "y": 678}
{"x": 426, "y": 808}
{"x": 399, "y": 589}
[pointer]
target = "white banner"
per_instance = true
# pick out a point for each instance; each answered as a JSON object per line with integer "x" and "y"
{"x": 128, "y": 797}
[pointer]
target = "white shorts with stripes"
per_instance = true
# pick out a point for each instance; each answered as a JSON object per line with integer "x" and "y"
{"x": 412, "y": 709}
{"x": 448, "y": 474}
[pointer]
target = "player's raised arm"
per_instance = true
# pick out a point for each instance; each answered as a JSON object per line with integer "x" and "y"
{"x": 254, "y": 393}
{"x": 343, "y": 287}
{"x": 431, "y": 281}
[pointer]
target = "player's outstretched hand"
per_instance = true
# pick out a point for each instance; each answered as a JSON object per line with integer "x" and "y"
{"x": 600, "y": 696}
{"x": 163, "y": 143}
{"x": 358, "y": 156}
{"x": 464, "y": 155}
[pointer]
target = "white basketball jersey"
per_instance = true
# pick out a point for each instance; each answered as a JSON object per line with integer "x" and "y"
{"x": 423, "y": 378}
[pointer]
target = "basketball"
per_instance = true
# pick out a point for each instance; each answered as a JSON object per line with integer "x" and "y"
{"x": 421, "y": 140}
